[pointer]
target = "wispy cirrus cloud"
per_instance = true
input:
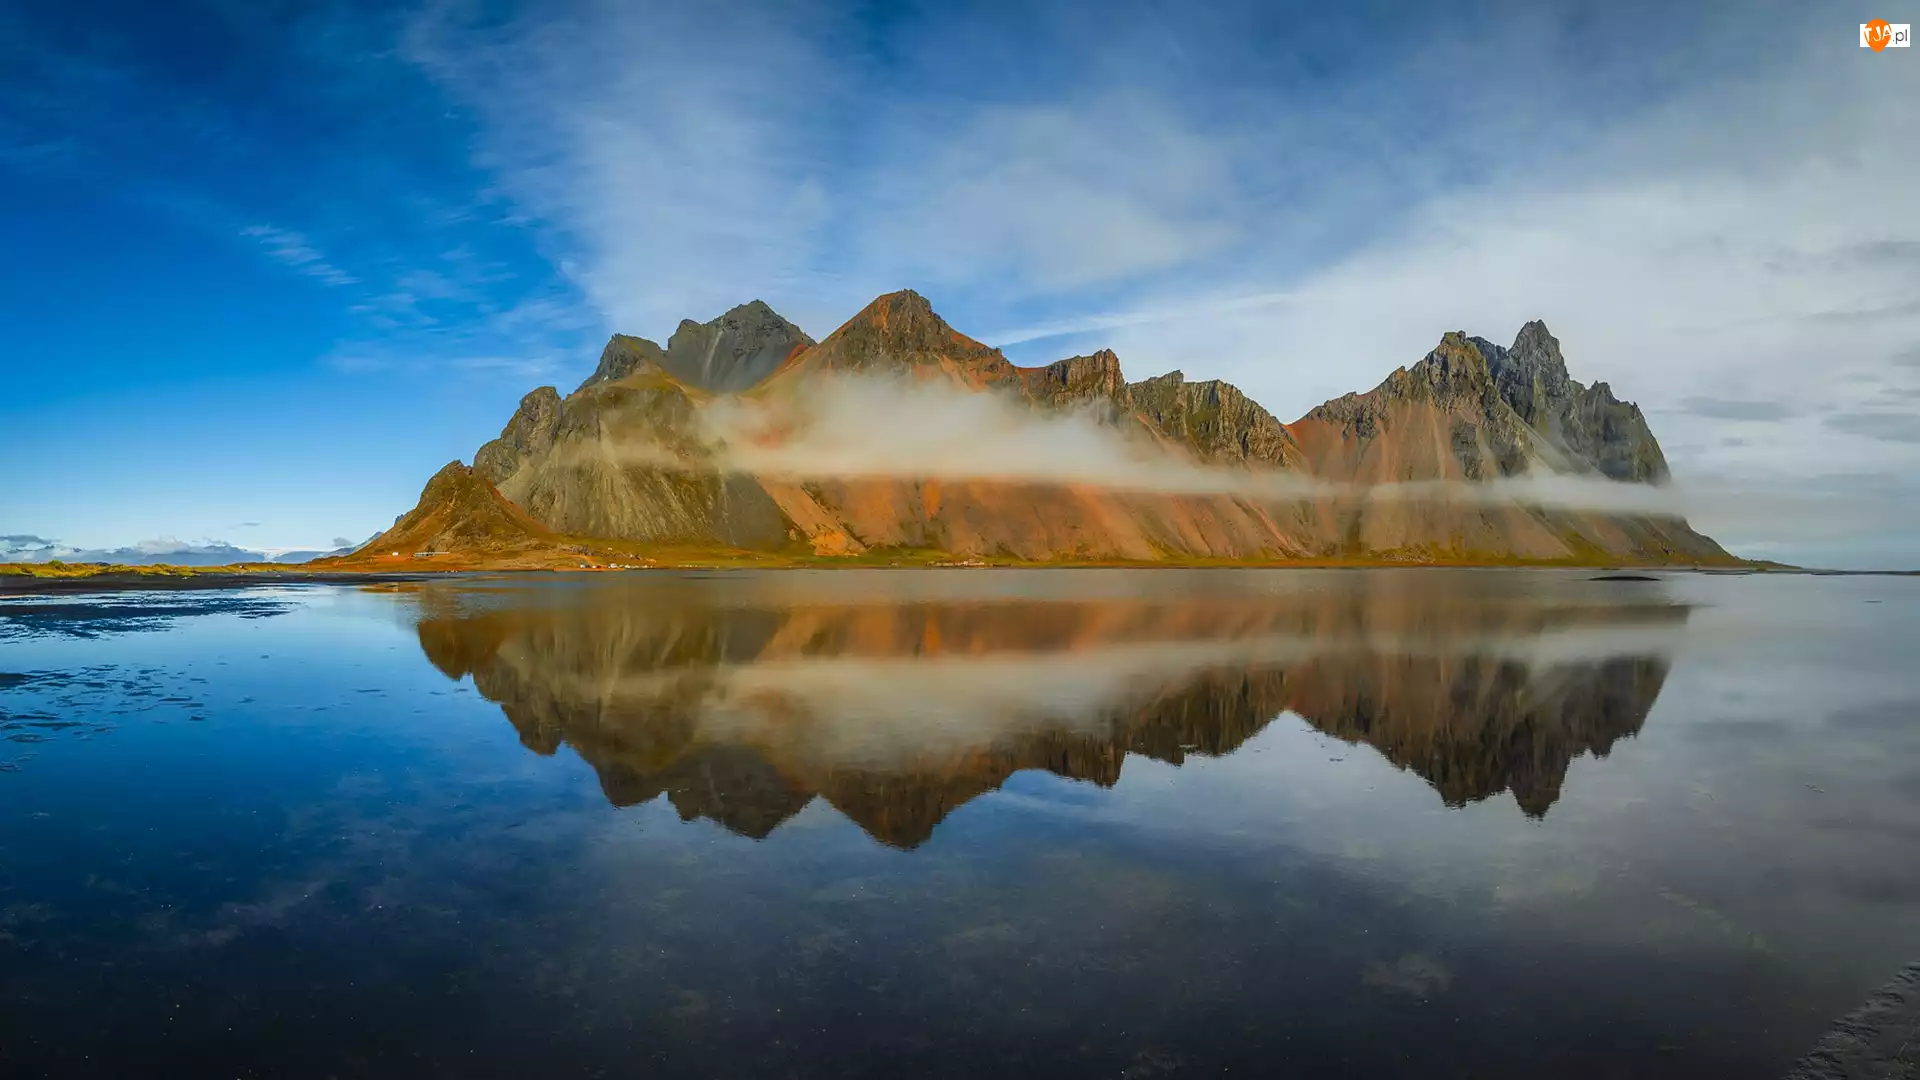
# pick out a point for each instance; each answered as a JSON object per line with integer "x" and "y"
{"x": 292, "y": 249}
{"x": 666, "y": 182}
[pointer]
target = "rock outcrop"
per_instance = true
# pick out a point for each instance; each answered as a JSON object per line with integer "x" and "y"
{"x": 1094, "y": 381}
{"x": 1215, "y": 421}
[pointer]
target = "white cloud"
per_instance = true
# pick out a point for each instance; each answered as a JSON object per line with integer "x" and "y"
{"x": 292, "y": 249}
{"x": 675, "y": 177}
{"x": 1057, "y": 196}
{"x": 1734, "y": 246}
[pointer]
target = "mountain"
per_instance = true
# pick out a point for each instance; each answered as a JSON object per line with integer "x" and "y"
{"x": 744, "y": 433}
{"x": 743, "y": 707}
{"x": 1471, "y": 411}
{"x": 623, "y": 457}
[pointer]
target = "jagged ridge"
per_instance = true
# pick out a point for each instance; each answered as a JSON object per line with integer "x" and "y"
{"x": 622, "y": 456}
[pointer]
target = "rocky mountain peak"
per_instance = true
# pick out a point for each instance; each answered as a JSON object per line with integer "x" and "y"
{"x": 1513, "y": 390}
{"x": 904, "y": 320}
{"x": 623, "y": 356}
{"x": 1538, "y": 345}
{"x": 901, "y": 331}
{"x": 1456, "y": 370}
{"x": 734, "y": 351}
{"x": 1588, "y": 423}
{"x": 1532, "y": 375}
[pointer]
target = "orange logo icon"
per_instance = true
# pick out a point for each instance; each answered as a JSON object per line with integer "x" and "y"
{"x": 1879, "y": 33}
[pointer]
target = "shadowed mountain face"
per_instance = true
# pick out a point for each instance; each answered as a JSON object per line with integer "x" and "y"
{"x": 897, "y": 698}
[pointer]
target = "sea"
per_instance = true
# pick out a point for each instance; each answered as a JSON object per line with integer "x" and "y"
{"x": 1050, "y": 823}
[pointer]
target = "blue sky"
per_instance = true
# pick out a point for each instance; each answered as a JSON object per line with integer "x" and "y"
{"x": 272, "y": 264}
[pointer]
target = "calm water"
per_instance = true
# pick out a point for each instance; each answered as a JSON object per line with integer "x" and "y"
{"x": 960, "y": 823}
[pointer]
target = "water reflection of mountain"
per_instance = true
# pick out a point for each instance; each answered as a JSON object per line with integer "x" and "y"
{"x": 743, "y": 700}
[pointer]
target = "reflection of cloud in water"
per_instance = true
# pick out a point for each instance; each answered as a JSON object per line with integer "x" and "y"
{"x": 742, "y": 705}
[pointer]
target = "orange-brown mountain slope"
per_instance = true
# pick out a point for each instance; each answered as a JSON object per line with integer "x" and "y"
{"x": 648, "y": 450}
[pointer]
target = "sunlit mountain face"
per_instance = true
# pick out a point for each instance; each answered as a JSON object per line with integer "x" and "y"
{"x": 896, "y": 699}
